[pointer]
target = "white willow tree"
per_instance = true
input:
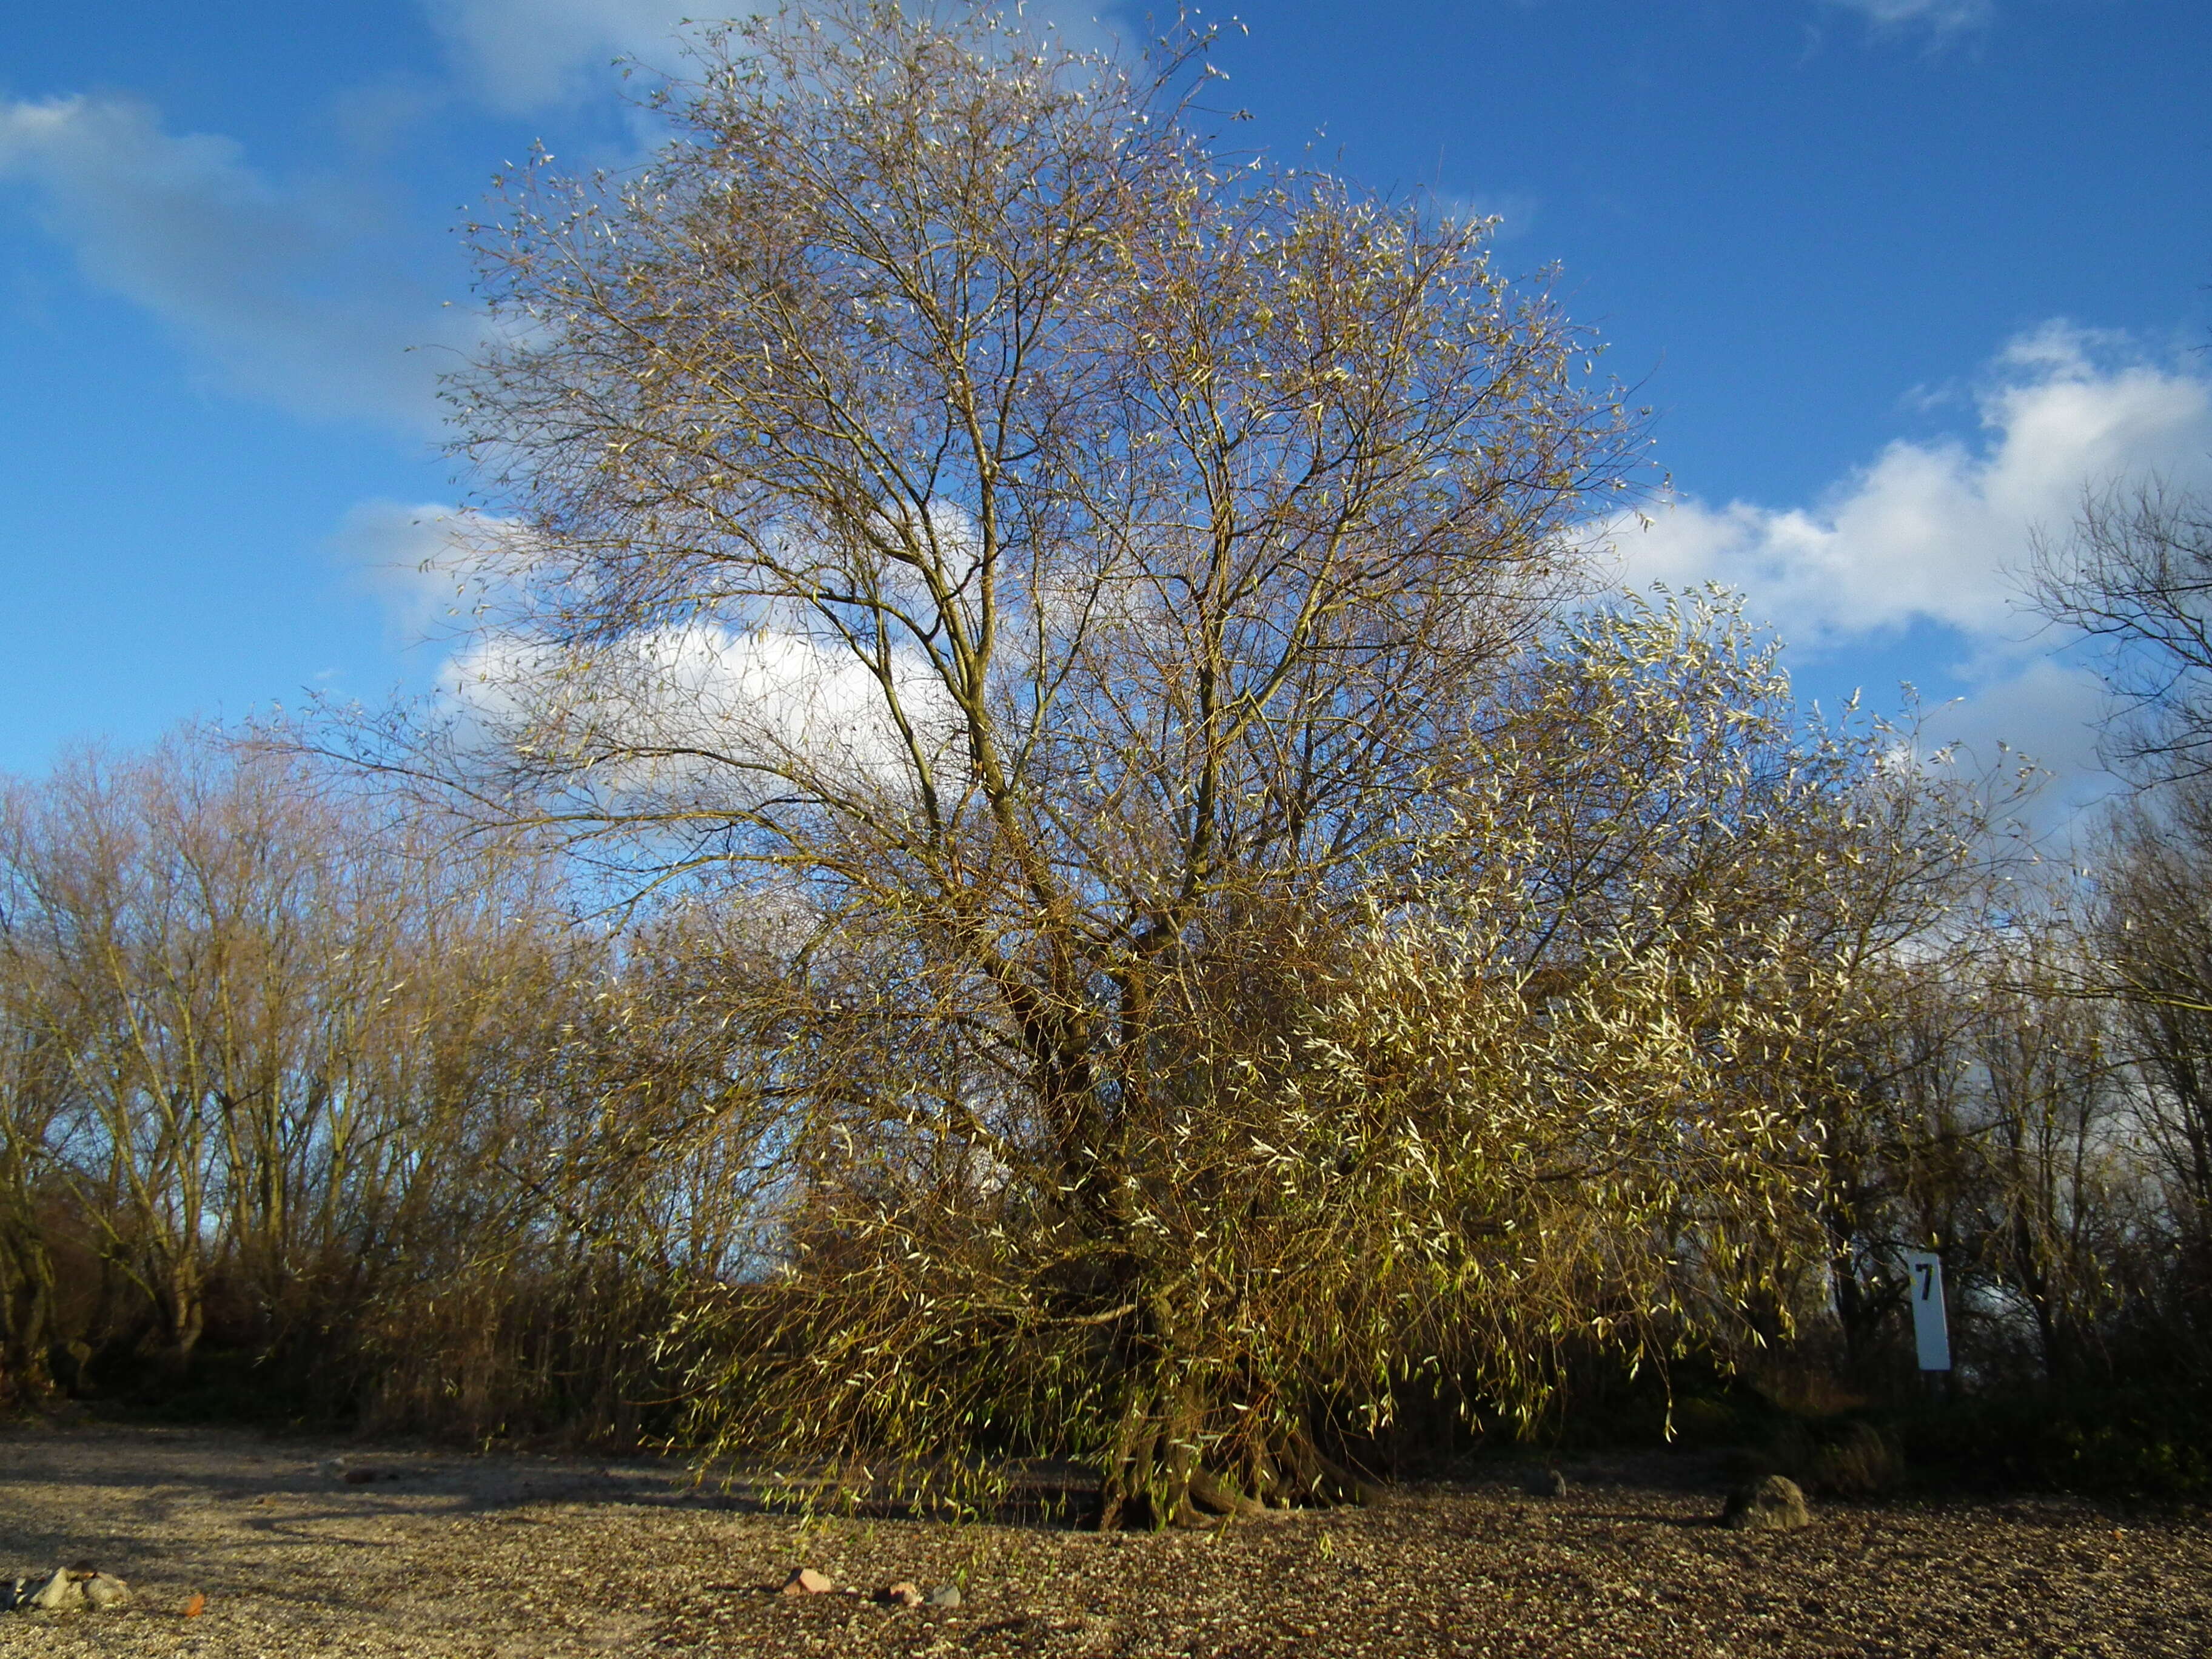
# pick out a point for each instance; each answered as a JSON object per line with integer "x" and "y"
{"x": 1070, "y": 583}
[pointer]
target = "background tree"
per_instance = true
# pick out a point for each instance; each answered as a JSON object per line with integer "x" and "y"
{"x": 2152, "y": 962}
{"x": 289, "y": 1070}
{"x": 2135, "y": 576}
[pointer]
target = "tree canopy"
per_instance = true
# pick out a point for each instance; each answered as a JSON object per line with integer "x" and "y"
{"x": 1229, "y": 952}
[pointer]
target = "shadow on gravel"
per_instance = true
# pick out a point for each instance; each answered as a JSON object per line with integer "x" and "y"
{"x": 299, "y": 1483}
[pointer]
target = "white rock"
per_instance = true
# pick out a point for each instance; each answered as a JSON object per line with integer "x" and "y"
{"x": 60, "y": 1594}
{"x": 103, "y": 1591}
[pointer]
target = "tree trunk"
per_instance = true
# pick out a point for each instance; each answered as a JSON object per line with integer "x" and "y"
{"x": 183, "y": 1311}
{"x": 1161, "y": 1474}
{"x": 26, "y": 1297}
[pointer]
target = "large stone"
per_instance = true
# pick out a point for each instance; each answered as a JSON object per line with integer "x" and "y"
{"x": 805, "y": 1580}
{"x": 62, "y": 1592}
{"x": 1774, "y": 1504}
{"x": 944, "y": 1596}
{"x": 105, "y": 1590}
{"x": 904, "y": 1595}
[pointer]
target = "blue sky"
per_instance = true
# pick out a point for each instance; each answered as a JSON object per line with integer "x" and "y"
{"x": 1899, "y": 278}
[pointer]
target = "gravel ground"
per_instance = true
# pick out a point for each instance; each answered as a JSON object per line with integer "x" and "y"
{"x": 455, "y": 1556}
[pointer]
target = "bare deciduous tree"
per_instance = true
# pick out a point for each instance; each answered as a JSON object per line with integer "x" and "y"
{"x": 1079, "y": 598}
{"x": 2152, "y": 939}
{"x": 2136, "y": 577}
{"x": 303, "y": 1073}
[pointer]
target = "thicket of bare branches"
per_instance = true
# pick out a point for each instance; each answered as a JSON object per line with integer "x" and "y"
{"x": 2153, "y": 938}
{"x": 294, "y": 1077}
{"x": 1147, "y": 934}
{"x": 2135, "y": 577}
{"x": 290, "y": 1070}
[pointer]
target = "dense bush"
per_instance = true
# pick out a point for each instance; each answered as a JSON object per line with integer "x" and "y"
{"x": 2148, "y": 1440}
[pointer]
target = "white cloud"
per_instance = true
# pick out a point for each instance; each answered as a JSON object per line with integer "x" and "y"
{"x": 526, "y": 53}
{"x": 413, "y": 558}
{"x": 1943, "y": 16}
{"x": 284, "y": 288}
{"x": 741, "y": 713}
{"x": 1937, "y": 531}
{"x": 723, "y": 710}
{"x": 1940, "y": 531}
{"x": 2046, "y": 710}
{"x": 1515, "y": 211}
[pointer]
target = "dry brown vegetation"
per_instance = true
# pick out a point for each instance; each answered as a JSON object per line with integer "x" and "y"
{"x": 296, "y": 1077}
{"x": 1032, "y": 861}
{"x": 1244, "y": 959}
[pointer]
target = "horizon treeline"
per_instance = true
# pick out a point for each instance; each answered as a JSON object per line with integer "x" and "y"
{"x": 320, "y": 1105}
{"x": 339, "y": 1107}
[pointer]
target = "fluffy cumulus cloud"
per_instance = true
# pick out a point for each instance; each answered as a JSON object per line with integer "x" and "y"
{"x": 1940, "y": 531}
{"x": 738, "y": 714}
{"x": 285, "y": 288}
{"x": 713, "y": 706}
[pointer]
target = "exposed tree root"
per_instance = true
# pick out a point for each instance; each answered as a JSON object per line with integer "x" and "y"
{"x": 1161, "y": 1478}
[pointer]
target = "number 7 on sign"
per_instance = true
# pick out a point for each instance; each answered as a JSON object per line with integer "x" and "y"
{"x": 1930, "y": 1332}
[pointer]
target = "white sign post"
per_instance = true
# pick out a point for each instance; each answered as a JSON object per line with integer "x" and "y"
{"x": 1923, "y": 1271}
